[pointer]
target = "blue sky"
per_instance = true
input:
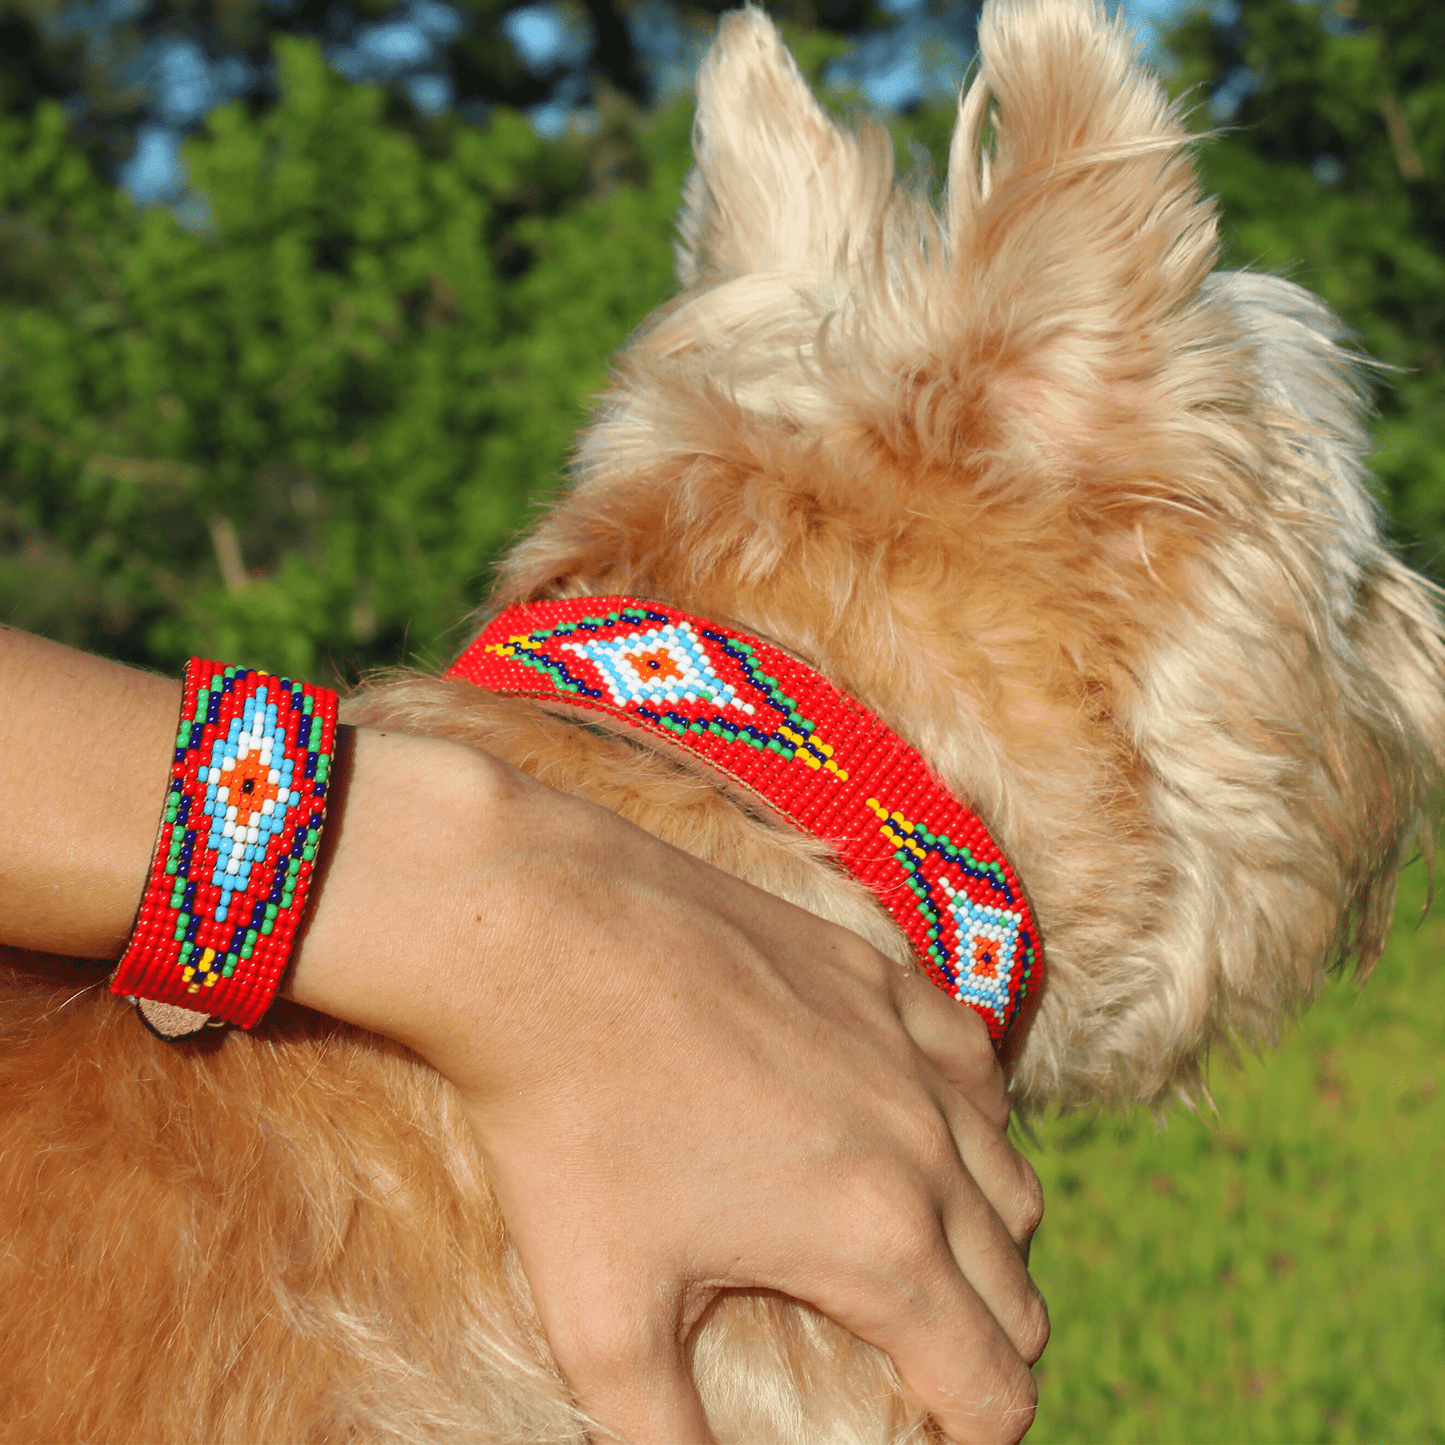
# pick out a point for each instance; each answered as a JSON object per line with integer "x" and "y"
{"x": 914, "y": 58}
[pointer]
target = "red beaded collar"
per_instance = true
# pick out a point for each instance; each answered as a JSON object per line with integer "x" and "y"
{"x": 810, "y": 753}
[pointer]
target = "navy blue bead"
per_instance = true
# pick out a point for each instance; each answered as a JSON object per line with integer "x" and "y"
{"x": 311, "y": 765}
{"x": 319, "y": 791}
{"x": 191, "y": 927}
{"x": 274, "y": 897}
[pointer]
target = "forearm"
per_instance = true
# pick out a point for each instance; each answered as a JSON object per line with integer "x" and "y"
{"x": 85, "y": 753}
{"x": 85, "y": 749}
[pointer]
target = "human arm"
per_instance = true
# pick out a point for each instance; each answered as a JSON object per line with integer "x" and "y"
{"x": 804, "y": 1142}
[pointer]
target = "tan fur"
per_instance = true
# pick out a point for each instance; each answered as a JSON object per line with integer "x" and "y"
{"x": 1084, "y": 522}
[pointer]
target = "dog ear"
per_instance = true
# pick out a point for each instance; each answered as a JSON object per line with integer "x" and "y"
{"x": 1078, "y": 223}
{"x": 777, "y": 186}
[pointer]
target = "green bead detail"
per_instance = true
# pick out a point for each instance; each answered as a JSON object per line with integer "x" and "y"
{"x": 270, "y": 914}
{"x": 267, "y": 926}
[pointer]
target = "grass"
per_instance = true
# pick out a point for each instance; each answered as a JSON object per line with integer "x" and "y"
{"x": 1276, "y": 1273}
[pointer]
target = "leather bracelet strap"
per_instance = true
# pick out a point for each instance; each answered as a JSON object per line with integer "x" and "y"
{"x": 811, "y": 753}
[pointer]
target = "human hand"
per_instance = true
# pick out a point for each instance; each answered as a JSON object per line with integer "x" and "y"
{"x": 681, "y": 1085}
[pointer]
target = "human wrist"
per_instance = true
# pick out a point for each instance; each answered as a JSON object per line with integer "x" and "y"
{"x": 415, "y": 872}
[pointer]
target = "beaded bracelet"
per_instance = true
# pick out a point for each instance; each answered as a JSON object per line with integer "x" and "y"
{"x": 237, "y": 846}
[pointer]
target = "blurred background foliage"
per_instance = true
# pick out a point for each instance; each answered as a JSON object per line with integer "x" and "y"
{"x": 301, "y": 304}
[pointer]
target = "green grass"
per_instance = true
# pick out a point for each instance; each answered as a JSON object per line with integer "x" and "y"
{"x": 1276, "y": 1273}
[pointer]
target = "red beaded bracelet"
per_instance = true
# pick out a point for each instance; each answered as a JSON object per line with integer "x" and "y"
{"x": 237, "y": 847}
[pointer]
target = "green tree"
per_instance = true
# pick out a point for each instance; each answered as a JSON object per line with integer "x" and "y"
{"x": 296, "y": 432}
{"x": 1333, "y": 172}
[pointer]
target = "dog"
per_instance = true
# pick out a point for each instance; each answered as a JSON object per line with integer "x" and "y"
{"x": 1083, "y": 520}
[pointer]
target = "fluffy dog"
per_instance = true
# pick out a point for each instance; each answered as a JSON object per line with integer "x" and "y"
{"x": 1085, "y": 523}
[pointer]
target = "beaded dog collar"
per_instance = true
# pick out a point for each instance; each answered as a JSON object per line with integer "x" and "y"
{"x": 811, "y": 753}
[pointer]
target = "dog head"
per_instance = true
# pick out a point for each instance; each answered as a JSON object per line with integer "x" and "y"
{"x": 1083, "y": 520}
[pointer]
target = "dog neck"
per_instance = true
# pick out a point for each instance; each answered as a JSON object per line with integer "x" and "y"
{"x": 812, "y": 754}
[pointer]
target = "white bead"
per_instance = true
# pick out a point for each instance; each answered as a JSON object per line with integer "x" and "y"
{"x": 268, "y": 807}
{"x": 229, "y": 830}
{"x": 252, "y": 833}
{"x": 273, "y": 777}
{"x": 231, "y": 813}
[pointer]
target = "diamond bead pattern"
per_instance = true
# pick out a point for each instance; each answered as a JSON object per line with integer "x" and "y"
{"x": 662, "y": 665}
{"x": 810, "y": 752}
{"x": 238, "y": 842}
